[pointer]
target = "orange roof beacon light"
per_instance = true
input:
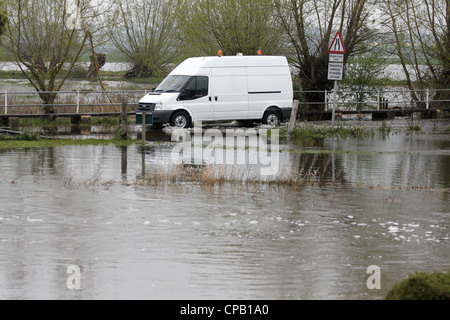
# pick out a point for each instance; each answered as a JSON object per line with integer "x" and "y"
{"x": 259, "y": 52}
{"x": 220, "y": 53}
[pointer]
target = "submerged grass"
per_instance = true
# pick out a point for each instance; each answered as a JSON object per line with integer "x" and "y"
{"x": 306, "y": 131}
{"x": 25, "y": 136}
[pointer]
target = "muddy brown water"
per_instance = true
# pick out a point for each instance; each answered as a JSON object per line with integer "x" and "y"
{"x": 378, "y": 201}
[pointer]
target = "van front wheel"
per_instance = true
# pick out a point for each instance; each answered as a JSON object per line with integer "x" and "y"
{"x": 272, "y": 118}
{"x": 180, "y": 119}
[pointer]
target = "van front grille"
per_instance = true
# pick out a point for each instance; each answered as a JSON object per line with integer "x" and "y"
{"x": 146, "y": 107}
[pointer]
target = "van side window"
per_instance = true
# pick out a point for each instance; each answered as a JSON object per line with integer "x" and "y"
{"x": 196, "y": 88}
{"x": 202, "y": 86}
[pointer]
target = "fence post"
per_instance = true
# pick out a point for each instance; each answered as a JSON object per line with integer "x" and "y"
{"x": 378, "y": 99}
{"x": 428, "y": 99}
{"x": 6, "y": 102}
{"x": 144, "y": 125}
{"x": 326, "y": 100}
{"x": 124, "y": 117}
{"x": 293, "y": 118}
{"x": 78, "y": 101}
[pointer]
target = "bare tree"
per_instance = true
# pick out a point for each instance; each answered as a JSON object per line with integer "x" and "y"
{"x": 421, "y": 37}
{"x": 233, "y": 26}
{"x": 3, "y": 18}
{"x": 310, "y": 26}
{"x": 146, "y": 35}
{"x": 47, "y": 38}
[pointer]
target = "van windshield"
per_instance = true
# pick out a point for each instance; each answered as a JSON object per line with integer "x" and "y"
{"x": 173, "y": 83}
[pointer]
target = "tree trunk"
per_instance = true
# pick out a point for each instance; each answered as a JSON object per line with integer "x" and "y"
{"x": 138, "y": 71}
{"x": 98, "y": 60}
{"x": 313, "y": 77}
{"x": 49, "y": 100}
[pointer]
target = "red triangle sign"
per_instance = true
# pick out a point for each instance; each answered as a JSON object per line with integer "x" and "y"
{"x": 337, "y": 46}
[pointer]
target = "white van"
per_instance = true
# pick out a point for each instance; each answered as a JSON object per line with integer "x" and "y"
{"x": 222, "y": 88}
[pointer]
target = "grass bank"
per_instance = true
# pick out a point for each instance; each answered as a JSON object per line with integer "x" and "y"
{"x": 106, "y": 121}
{"x": 33, "y": 140}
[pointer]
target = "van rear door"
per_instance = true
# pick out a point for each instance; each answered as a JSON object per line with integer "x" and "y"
{"x": 229, "y": 93}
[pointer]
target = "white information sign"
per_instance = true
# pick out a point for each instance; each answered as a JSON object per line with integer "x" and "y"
{"x": 335, "y": 71}
{"x": 334, "y": 57}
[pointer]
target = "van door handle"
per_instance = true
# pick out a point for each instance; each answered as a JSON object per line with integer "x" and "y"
{"x": 215, "y": 98}
{"x": 210, "y": 99}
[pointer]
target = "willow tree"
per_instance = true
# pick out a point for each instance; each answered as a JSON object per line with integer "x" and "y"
{"x": 421, "y": 40}
{"x": 233, "y": 26}
{"x": 3, "y": 18}
{"x": 146, "y": 35}
{"x": 311, "y": 25}
{"x": 46, "y": 39}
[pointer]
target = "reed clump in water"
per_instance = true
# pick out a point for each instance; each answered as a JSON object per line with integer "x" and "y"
{"x": 308, "y": 174}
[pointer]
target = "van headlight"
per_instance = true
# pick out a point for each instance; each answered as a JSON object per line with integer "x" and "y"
{"x": 159, "y": 105}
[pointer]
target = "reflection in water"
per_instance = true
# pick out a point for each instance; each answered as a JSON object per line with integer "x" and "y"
{"x": 401, "y": 160}
{"x": 124, "y": 160}
{"x": 80, "y": 206}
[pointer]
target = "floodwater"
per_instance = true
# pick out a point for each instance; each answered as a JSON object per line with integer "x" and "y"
{"x": 379, "y": 201}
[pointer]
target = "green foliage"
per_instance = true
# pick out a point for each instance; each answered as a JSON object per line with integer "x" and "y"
{"x": 415, "y": 127}
{"x": 422, "y": 286}
{"x": 78, "y": 72}
{"x": 13, "y": 74}
{"x": 361, "y": 83}
{"x": 106, "y": 121}
{"x": 28, "y": 136}
{"x": 25, "y": 136}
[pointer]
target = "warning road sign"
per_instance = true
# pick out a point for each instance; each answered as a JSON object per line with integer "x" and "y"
{"x": 337, "y": 46}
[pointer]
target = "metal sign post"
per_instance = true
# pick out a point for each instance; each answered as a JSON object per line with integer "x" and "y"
{"x": 335, "y": 72}
{"x": 336, "y": 68}
{"x": 333, "y": 112}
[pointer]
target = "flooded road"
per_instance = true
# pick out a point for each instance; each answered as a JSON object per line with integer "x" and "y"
{"x": 380, "y": 201}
